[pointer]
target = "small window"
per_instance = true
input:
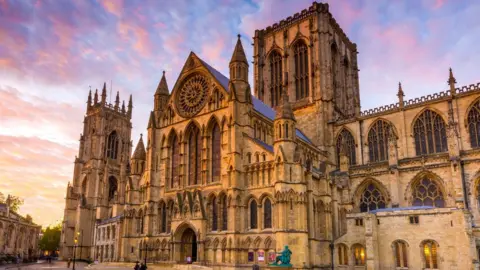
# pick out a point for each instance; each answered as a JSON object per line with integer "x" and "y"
{"x": 414, "y": 219}
{"x": 132, "y": 249}
{"x": 359, "y": 222}
{"x": 359, "y": 255}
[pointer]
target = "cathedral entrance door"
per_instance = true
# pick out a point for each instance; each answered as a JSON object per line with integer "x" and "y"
{"x": 188, "y": 245}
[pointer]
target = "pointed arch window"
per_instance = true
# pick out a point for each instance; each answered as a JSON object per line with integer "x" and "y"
{"x": 112, "y": 145}
{"x": 253, "y": 214}
{"x": 430, "y": 254}
{"x": 478, "y": 196}
{"x": 216, "y": 153}
{"x": 275, "y": 78}
{"x": 372, "y": 199}
{"x": 195, "y": 157}
{"x": 473, "y": 121}
{"x": 427, "y": 193}
{"x": 175, "y": 156}
{"x": 301, "y": 69}
{"x": 430, "y": 133}
{"x": 224, "y": 213}
{"x": 164, "y": 219}
{"x": 346, "y": 142}
{"x": 267, "y": 214}
{"x": 359, "y": 255}
{"x": 214, "y": 214}
{"x": 400, "y": 251}
{"x": 378, "y": 141}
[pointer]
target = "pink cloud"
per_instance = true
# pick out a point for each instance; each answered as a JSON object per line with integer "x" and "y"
{"x": 113, "y": 6}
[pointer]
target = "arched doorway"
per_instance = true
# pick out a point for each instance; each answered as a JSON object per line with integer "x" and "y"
{"x": 188, "y": 246}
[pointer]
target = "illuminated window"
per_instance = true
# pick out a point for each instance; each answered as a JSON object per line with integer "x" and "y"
{"x": 430, "y": 254}
{"x": 400, "y": 249}
{"x": 372, "y": 199}
{"x": 474, "y": 125}
{"x": 427, "y": 193}
{"x": 342, "y": 254}
{"x": 359, "y": 255}
{"x": 430, "y": 134}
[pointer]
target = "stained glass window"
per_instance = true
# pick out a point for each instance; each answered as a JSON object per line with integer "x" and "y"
{"x": 214, "y": 214}
{"x": 175, "y": 162}
{"x": 253, "y": 215}
{"x": 427, "y": 193}
{"x": 216, "y": 153}
{"x": 275, "y": 78}
{"x": 430, "y": 134}
{"x": 267, "y": 214}
{"x": 401, "y": 254}
{"x": 345, "y": 140}
{"x": 195, "y": 157}
{"x": 342, "y": 254}
{"x": 112, "y": 145}
{"x": 224, "y": 213}
{"x": 359, "y": 255}
{"x": 301, "y": 69}
{"x": 474, "y": 125}
{"x": 430, "y": 255}
{"x": 372, "y": 199}
{"x": 378, "y": 141}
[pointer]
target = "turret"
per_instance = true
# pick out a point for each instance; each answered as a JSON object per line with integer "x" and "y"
{"x": 95, "y": 99}
{"x": 285, "y": 127}
{"x": 89, "y": 100}
{"x": 240, "y": 88}
{"x": 161, "y": 95}
{"x": 138, "y": 158}
{"x": 123, "y": 106}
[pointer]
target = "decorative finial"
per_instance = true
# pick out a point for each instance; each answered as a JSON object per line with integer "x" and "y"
{"x": 400, "y": 95}
{"x": 452, "y": 81}
{"x": 141, "y": 135}
{"x": 238, "y": 36}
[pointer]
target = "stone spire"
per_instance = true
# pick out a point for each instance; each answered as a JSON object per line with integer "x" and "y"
{"x": 123, "y": 106}
{"x": 285, "y": 110}
{"x": 239, "y": 53}
{"x": 117, "y": 101}
{"x": 130, "y": 106}
{"x": 104, "y": 93}
{"x": 400, "y": 95}
{"x": 452, "y": 81}
{"x": 140, "y": 152}
{"x": 95, "y": 99}
{"x": 89, "y": 100}
{"x": 162, "y": 88}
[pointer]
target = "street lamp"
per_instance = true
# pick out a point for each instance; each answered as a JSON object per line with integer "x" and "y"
{"x": 75, "y": 241}
{"x": 146, "y": 250}
{"x": 81, "y": 244}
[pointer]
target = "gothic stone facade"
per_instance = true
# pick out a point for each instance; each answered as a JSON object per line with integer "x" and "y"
{"x": 227, "y": 179}
{"x": 18, "y": 235}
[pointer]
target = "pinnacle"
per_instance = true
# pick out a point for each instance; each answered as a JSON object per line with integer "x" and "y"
{"x": 285, "y": 110}
{"x": 400, "y": 90}
{"x": 140, "y": 150}
{"x": 451, "y": 79}
{"x": 162, "y": 87}
{"x": 239, "y": 53}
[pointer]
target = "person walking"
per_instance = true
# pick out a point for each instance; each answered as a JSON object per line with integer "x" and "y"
{"x": 137, "y": 266}
{"x": 69, "y": 262}
{"x": 143, "y": 266}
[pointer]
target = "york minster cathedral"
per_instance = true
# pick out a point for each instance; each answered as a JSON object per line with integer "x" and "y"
{"x": 228, "y": 174}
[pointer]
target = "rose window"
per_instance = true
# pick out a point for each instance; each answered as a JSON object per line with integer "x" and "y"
{"x": 192, "y": 96}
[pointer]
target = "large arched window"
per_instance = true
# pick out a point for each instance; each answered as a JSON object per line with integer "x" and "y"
{"x": 112, "y": 187}
{"x": 214, "y": 214}
{"x": 163, "y": 222}
{"x": 400, "y": 251}
{"x": 342, "y": 254}
{"x": 275, "y": 78}
{"x": 427, "y": 193}
{"x": 224, "y": 213}
{"x": 345, "y": 142}
{"x": 478, "y": 196}
{"x": 216, "y": 153}
{"x": 195, "y": 156}
{"x": 378, "y": 141}
{"x": 267, "y": 214}
{"x": 430, "y": 134}
{"x": 175, "y": 157}
{"x": 359, "y": 254}
{"x": 253, "y": 214}
{"x": 112, "y": 145}
{"x": 429, "y": 250}
{"x": 301, "y": 69}
{"x": 372, "y": 199}
{"x": 473, "y": 121}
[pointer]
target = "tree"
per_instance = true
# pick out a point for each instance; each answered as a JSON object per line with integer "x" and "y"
{"x": 15, "y": 202}
{"x": 51, "y": 238}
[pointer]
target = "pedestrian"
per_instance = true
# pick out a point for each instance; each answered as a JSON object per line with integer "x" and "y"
{"x": 143, "y": 267}
{"x": 137, "y": 266}
{"x": 69, "y": 262}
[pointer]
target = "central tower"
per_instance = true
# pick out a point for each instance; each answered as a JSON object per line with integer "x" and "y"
{"x": 310, "y": 55}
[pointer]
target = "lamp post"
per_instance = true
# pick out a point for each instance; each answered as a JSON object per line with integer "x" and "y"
{"x": 75, "y": 241}
{"x": 146, "y": 250}
{"x": 81, "y": 243}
